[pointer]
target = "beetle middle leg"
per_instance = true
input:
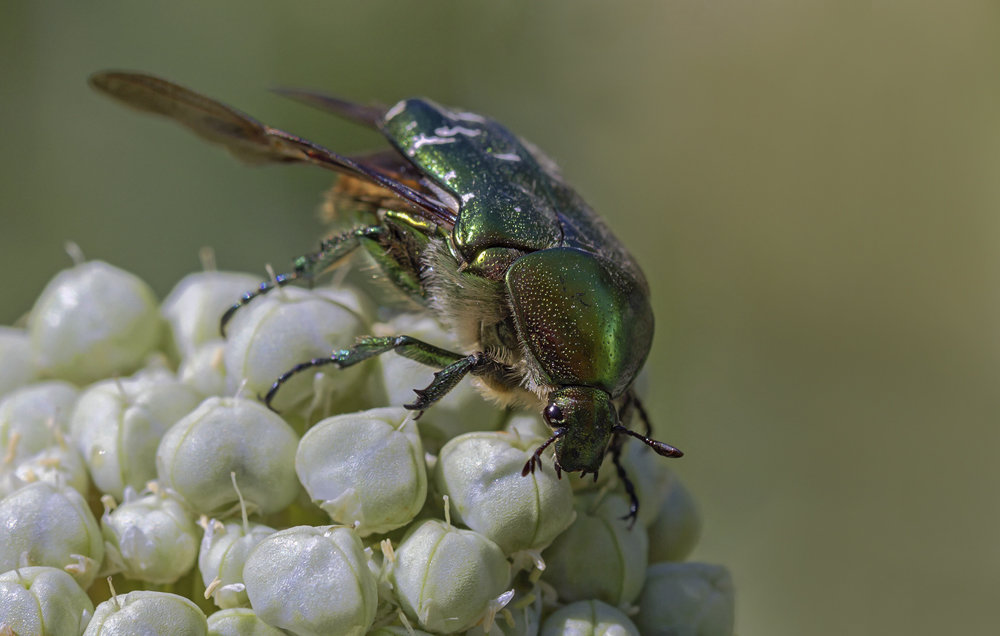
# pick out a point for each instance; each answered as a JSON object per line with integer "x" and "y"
{"x": 331, "y": 250}
{"x": 453, "y": 366}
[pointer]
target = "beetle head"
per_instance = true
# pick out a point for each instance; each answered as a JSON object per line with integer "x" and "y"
{"x": 585, "y": 417}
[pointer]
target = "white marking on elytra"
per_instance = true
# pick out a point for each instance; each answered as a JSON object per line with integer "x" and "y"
{"x": 395, "y": 110}
{"x": 424, "y": 140}
{"x": 466, "y": 116}
{"x": 445, "y": 131}
{"x": 507, "y": 156}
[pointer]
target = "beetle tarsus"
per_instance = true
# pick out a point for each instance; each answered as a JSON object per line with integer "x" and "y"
{"x": 287, "y": 375}
{"x": 331, "y": 249}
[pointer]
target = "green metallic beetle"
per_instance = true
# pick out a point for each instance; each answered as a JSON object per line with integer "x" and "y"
{"x": 479, "y": 227}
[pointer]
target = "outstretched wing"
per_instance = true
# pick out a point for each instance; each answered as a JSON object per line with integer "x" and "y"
{"x": 367, "y": 115}
{"x": 251, "y": 141}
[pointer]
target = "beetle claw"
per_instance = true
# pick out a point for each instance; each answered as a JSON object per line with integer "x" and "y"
{"x": 632, "y": 515}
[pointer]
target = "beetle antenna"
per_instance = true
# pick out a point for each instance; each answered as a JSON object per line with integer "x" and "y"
{"x": 625, "y": 413}
{"x": 661, "y": 448}
{"x": 536, "y": 457}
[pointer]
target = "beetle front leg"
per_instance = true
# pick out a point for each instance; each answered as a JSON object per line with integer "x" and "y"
{"x": 633, "y": 508}
{"x": 445, "y": 380}
{"x": 306, "y": 267}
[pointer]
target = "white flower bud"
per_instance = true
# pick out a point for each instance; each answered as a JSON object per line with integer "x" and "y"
{"x": 240, "y": 621}
{"x": 147, "y": 613}
{"x": 312, "y": 582}
{"x": 59, "y": 465}
{"x": 446, "y": 578}
{"x": 151, "y": 538}
{"x": 282, "y": 329}
{"x": 687, "y": 598}
{"x": 223, "y": 553}
{"x": 397, "y": 630}
{"x": 43, "y": 600}
{"x": 94, "y": 321}
{"x": 118, "y": 424}
{"x": 19, "y": 366}
{"x": 226, "y": 435}
{"x": 195, "y": 305}
{"x": 41, "y": 524}
{"x": 33, "y": 417}
{"x": 204, "y": 370}
{"x": 481, "y": 473}
{"x": 589, "y": 618}
{"x": 365, "y": 468}
{"x": 599, "y": 557}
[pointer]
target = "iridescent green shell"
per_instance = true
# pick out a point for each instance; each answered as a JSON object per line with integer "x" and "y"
{"x": 578, "y": 298}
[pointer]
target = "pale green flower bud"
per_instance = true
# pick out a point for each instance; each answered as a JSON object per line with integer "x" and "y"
{"x": 118, "y": 424}
{"x": 449, "y": 579}
{"x": 280, "y": 330}
{"x": 481, "y": 473}
{"x": 147, "y": 613}
{"x": 365, "y": 468}
{"x": 195, "y": 305}
{"x": 240, "y": 621}
{"x": 41, "y": 524}
{"x": 94, "y": 321}
{"x": 312, "y": 582}
{"x": 675, "y": 532}
{"x": 223, "y": 553}
{"x": 151, "y": 538}
{"x": 225, "y": 435}
{"x": 589, "y": 618}
{"x": 599, "y": 557}
{"x": 686, "y": 599}
{"x": 19, "y": 366}
{"x": 43, "y": 600}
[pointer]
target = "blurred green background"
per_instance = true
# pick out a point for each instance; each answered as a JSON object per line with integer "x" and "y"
{"x": 811, "y": 188}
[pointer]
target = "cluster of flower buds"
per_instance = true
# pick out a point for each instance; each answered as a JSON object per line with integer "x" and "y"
{"x": 145, "y": 488}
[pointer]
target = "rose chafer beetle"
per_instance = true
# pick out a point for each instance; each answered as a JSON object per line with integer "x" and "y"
{"x": 477, "y": 226}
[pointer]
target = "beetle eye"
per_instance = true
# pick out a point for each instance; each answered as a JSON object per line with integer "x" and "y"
{"x": 553, "y": 414}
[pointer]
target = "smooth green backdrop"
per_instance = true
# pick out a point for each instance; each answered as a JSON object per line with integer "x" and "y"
{"x": 810, "y": 186}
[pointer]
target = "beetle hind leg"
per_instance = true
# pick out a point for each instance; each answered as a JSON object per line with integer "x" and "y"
{"x": 633, "y": 507}
{"x": 306, "y": 267}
